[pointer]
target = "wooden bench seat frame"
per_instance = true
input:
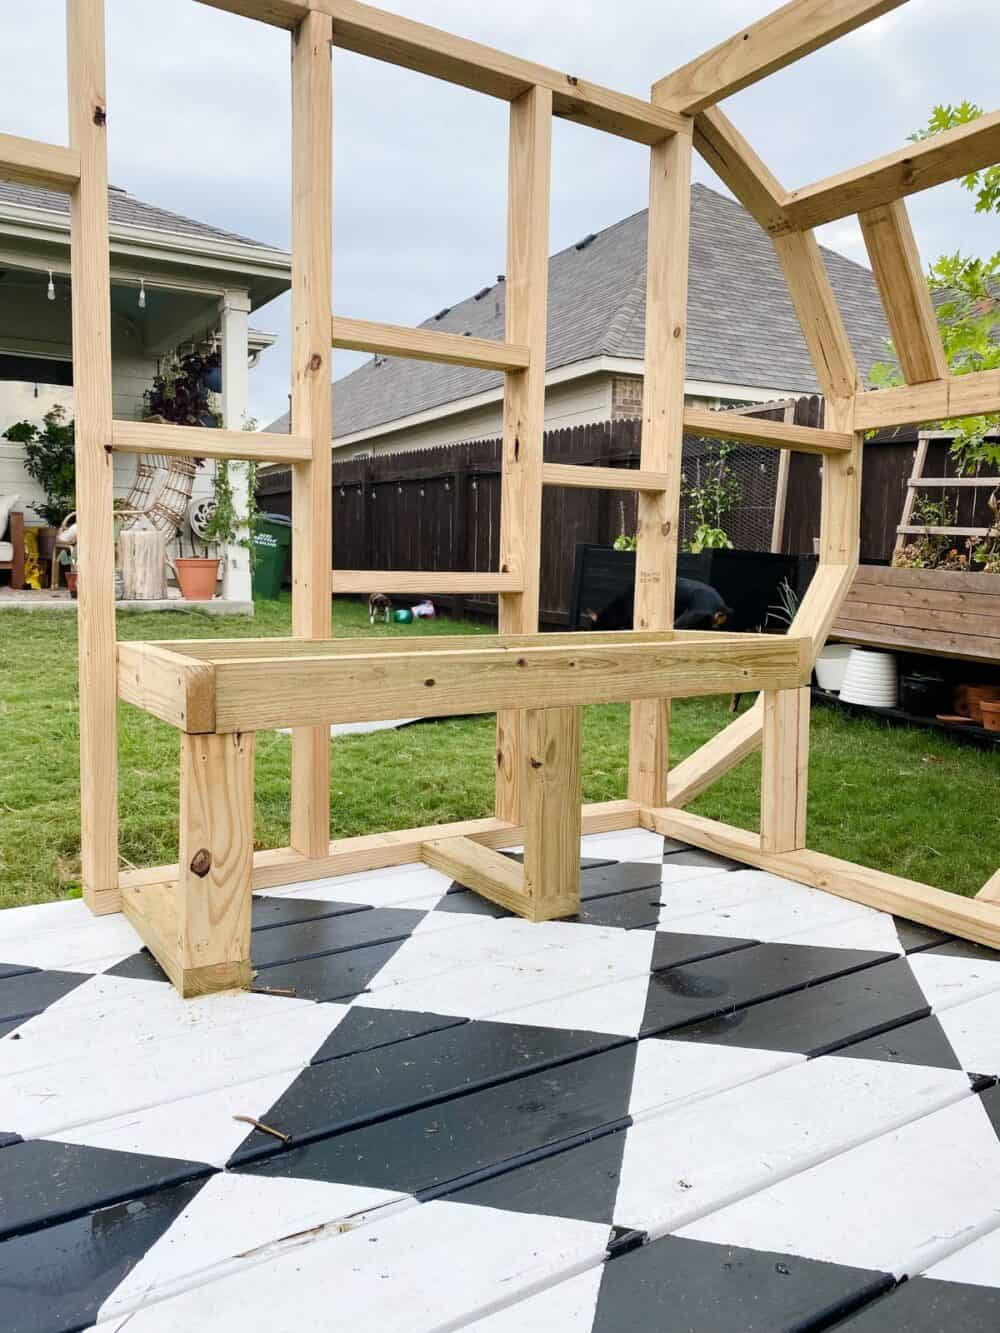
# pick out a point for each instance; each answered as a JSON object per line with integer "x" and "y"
{"x": 195, "y": 915}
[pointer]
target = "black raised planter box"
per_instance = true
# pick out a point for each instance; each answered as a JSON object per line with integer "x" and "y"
{"x": 747, "y": 581}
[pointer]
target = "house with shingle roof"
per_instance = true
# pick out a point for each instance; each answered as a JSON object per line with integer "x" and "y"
{"x": 744, "y": 344}
{"x": 174, "y": 281}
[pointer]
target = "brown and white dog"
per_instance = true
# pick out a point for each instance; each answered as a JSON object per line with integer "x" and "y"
{"x": 379, "y": 607}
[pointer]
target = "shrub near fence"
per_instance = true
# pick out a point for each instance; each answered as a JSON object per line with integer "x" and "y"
{"x": 439, "y": 509}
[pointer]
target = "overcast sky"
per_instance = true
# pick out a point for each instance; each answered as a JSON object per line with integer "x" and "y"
{"x": 199, "y": 121}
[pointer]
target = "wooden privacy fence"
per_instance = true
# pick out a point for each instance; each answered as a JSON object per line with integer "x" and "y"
{"x": 439, "y": 508}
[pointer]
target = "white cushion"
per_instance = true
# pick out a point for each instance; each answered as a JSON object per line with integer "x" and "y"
{"x": 7, "y": 503}
{"x": 6, "y": 552}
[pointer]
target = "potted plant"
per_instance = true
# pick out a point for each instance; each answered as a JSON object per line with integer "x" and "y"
{"x": 49, "y": 460}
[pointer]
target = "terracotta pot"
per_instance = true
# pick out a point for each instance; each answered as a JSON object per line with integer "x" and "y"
{"x": 969, "y": 699}
{"x": 991, "y": 715}
{"x": 197, "y": 578}
{"x": 71, "y": 577}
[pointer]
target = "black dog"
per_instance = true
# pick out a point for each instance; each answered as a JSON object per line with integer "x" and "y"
{"x": 696, "y": 606}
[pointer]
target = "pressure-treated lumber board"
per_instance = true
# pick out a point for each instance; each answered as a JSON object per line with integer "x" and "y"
{"x": 917, "y": 404}
{"x": 946, "y": 483}
{"x": 840, "y": 496}
{"x": 361, "y": 335}
{"x": 929, "y": 530}
{"x": 716, "y": 757}
{"x": 603, "y": 478}
{"x": 153, "y": 437}
{"x": 895, "y": 260}
{"x": 526, "y": 303}
{"x": 379, "y": 851}
{"x": 818, "y": 314}
{"x": 990, "y": 892}
{"x": 423, "y": 580}
{"x": 198, "y": 926}
{"x": 770, "y": 434}
{"x": 552, "y": 813}
{"x": 972, "y": 920}
{"x": 737, "y": 165}
{"x": 821, "y": 604}
{"x": 479, "y": 868}
{"x": 662, "y": 447}
{"x": 780, "y": 38}
{"x": 260, "y": 693}
{"x": 178, "y": 690}
{"x": 919, "y": 166}
{"x": 312, "y": 263}
{"x": 91, "y": 316}
{"x": 29, "y": 162}
{"x": 400, "y": 41}
{"x": 784, "y": 781}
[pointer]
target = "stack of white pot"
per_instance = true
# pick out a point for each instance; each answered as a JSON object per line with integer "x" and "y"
{"x": 871, "y": 679}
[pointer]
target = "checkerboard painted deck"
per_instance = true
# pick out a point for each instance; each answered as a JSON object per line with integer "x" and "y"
{"x": 714, "y": 1102}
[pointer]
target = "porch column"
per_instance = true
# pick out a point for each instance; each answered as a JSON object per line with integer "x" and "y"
{"x": 235, "y": 311}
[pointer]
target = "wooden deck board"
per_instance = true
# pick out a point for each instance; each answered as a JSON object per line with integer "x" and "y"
{"x": 688, "y": 1061}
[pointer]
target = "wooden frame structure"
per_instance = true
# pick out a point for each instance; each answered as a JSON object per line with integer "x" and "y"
{"x": 195, "y": 916}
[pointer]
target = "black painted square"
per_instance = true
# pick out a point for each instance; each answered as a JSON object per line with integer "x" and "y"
{"x": 270, "y": 912}
{"x": 332, "y": 934}
{"x": 920, "y": 1043}
{"x": 141, "y": 966}
{"x": 29, "y": 993}
{"x": 333, "y": 976}
{"x": 926, "y": 1305}
{"x": 368, "y": 1029}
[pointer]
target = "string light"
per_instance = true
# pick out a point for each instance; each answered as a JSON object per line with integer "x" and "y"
{"x": 51, "y": 293}
{"x": 142, "y": 293}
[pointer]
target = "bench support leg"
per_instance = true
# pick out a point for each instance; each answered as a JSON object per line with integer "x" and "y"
{"x": 552, "y": 812}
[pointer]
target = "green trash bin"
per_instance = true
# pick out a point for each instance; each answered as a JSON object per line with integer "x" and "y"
{"x": 272, "y": 542}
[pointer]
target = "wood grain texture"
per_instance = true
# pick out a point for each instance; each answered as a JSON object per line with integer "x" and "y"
{"x": 818, "y": 314}
{"x": 526, "y": 298}
{"x": 312, "y": 261}
{"x": 177, "y": 690}
{"x": 552, "y": 813}
{"x": 443, "y": 581}
{"x": 736, "y": 164}
{"x": 361, "y": 335}
{"x": 967, "y": 918}
{"x": 784, "y": 783}
{"x": 990, "y": 892}
{"x": 840, "y": 499}
{"x": 401, "y": 41}
{"x": 769, "y": 434}
{"x": 259, "y": 693}
{"x": 151, "y": 437}
{"x": 379, "y": 851}
{"x": 919, "y": 166}
{"x": 895, "y": 260}
{"x": 821, "y": 604}
{"x": 780, "y": 38}
{"x": 603, "y": 478}
{"x": 91, "y": 319}
{"x": 481, "y": 869}
{"x": 29, "y": 162}
{"x": 662, "y": 447}
{"x": 920, "y": 404}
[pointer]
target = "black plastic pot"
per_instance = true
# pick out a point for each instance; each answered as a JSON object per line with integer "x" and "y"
{"x": 922, "y": 695}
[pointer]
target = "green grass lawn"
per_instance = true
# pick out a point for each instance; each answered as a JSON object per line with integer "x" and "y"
{"x": 897, "y": 800}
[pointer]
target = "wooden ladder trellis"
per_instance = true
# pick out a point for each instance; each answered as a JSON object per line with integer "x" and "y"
{"x": 917, "y": 481}
{"x": 195, "y": 915}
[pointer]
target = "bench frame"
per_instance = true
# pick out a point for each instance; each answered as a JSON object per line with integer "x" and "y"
{"x": 195, "y": 916}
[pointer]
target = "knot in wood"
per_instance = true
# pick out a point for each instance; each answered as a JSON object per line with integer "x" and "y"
{"x": 572, "y": 78}
{"x": 100, "y": 116}
{"x": 521, "y": 662}
{"x": 201, "y": 863}
{"x": 315, "y": 361}
{"x": 535, "y": 763}
{"x": 430, "y": 681}
{"x": 678, "y": 330}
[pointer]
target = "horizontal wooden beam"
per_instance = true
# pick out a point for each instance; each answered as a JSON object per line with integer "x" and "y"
{"x": 261, "y": 693}
{"x": 153, "y": 437}
{"x": 944, "y": 157}
{"x": 778, "y": 39}
{"x": 361, "y": 335}
{"x": 929, "y": 530}
{"x": 366, "y": 581}
{"x": 972, "y": 920}
{"x": 176, "y": 689}
{"x": 916, "y": 404}
{"x": 937, "y": 483}
{"x": 603, "y": 478}
{"x": 400, "y": 41}
{"x": 485, "y": 871}
{"x": 30, "y": 162}
{"x": 769, "y": 434}
{"x": 378, "y": 851}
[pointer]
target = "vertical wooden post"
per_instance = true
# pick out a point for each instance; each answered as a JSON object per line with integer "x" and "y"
{"x": 784, "y": 786}
{"x": 662, "y": 444}
{"x": 312, "y": 264}
{"x": 92, "y": 406}
{"x": 215, "y": 867}
{"x": 526, "y": 296}
{"x": 552, "y": 814}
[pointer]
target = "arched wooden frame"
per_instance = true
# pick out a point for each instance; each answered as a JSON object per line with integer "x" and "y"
{"x": 195, "y": 916}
